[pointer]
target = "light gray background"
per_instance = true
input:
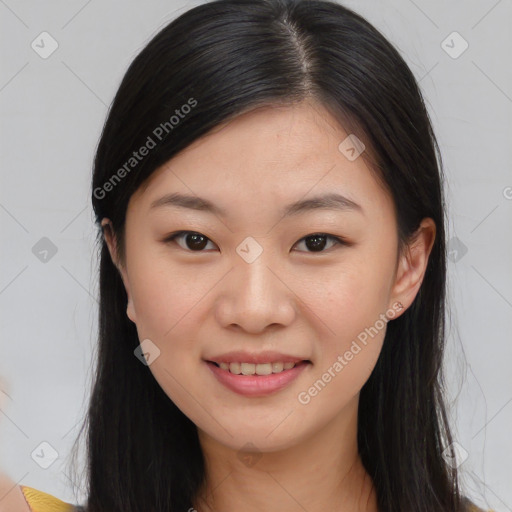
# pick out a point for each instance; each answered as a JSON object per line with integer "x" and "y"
{"x": 52, "y": 111}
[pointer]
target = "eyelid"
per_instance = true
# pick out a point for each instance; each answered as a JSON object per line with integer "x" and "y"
{"x": 339, "y": 240}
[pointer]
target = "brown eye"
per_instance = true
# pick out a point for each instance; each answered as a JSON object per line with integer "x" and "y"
{"x": 193, "y": 241}
{"x": 317, "y": 241}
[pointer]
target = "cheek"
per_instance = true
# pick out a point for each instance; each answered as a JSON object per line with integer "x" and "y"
{"x": 168, "y": 308}
{"x": 346, "y": 356}
{"x": 351, "y": 310}
{"x": 165, "y": 296}
{"x": 349, "y": 297}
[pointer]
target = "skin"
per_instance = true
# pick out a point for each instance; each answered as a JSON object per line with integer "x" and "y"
{"x": 196, "y": 305}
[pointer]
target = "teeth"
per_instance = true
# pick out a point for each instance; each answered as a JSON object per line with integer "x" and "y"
{"x": 258, "y": 369}
{"x": 277, "y": 367}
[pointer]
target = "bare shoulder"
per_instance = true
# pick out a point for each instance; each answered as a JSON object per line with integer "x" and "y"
{"x": 11, "y": 496}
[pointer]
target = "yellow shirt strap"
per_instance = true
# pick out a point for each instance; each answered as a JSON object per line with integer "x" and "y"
{"x": 474, "y": 508}
{"x": 40, "y": 501}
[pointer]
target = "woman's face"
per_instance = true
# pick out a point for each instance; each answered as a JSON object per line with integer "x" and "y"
{"x": 255, "y": 280}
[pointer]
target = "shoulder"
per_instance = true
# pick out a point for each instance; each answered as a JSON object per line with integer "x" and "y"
{"x": 11, "y": 496}
{"x": 40, "y": 501}
{"x": 21, "y": 498}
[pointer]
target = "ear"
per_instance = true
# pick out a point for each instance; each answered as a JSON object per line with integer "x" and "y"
{"x": 110, "y": 239}
{"x": 412, "y": 264}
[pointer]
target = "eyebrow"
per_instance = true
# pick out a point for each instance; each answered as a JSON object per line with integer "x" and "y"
{"x": 331, "y": 201}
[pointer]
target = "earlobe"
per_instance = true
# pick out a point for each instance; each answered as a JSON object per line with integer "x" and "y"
{"x": 413, "y": 264}
{"x": 130, "y": 310}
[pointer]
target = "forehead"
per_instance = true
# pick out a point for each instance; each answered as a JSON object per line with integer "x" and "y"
{"x": 268, "y": 155}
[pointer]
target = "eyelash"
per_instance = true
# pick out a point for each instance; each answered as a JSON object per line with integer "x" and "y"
{"x": 337, "y": 239}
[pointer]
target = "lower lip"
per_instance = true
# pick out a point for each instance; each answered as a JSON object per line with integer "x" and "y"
{"x": 256, "y": 385}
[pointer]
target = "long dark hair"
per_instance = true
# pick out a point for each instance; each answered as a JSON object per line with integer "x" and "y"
{"x": 207, "y": 66}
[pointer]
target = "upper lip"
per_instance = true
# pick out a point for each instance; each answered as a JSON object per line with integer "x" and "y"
{"x": 256, "y": 358}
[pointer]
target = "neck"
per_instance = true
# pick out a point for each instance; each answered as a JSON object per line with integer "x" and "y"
{"x": 313, "y": 474}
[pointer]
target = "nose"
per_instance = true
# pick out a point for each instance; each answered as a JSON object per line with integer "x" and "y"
{"x": 255, "y": 296}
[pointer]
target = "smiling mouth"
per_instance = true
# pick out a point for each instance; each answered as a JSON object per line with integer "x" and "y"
{"x": 260, "y": 369}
